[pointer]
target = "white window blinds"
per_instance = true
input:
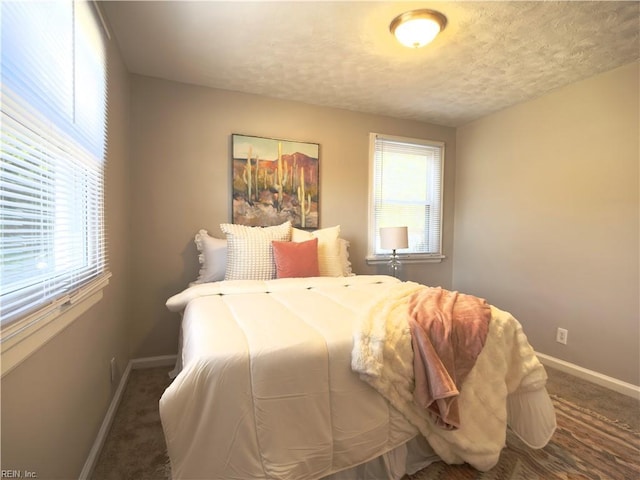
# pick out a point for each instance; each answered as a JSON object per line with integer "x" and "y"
{"x": 406, "y": 190}
{"x": 53, "y": 142}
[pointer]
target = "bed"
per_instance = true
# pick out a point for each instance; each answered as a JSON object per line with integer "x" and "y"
{"x": 310, "y": 377}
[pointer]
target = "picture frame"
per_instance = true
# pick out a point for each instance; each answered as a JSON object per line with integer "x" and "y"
{"x": 275, "y": 180}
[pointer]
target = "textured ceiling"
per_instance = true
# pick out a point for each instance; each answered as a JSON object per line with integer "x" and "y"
{"x": 340, "y": 54}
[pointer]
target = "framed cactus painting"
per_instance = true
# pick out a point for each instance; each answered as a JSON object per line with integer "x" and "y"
{"x": 274, "y": 181}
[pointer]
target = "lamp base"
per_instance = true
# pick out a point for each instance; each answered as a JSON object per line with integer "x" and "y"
{"x": 394, "y": 265}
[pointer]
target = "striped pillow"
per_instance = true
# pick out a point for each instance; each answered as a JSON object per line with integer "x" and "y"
{"x": 249, "y": 250}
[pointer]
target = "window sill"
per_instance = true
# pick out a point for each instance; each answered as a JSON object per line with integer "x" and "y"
{"x": 25, "y": 336}
{"x": 405, "y": 259}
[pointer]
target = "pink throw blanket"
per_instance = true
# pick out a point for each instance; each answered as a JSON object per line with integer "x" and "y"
{"x": 448, "y": 331}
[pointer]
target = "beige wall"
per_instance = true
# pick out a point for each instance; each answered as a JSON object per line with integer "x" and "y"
{"x": 546, "y": 221}
{"x": 54, "y": 402}
{"x": 180, "y": 177}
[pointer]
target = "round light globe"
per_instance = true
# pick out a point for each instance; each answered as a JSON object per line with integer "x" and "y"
{"x": 417, "y": 28}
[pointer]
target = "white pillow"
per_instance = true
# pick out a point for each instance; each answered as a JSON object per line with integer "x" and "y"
{"x": 344, "y": 258}
{"x": 329, "y": 248}
{"x": 213, "y": 257}
{"x": 249, "y": 251}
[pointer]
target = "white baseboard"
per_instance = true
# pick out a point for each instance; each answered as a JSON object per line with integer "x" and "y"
{"x": 98, "y": 443}
{"x": 591, "y": 376}
{"x": 134, "y": 364}
{"x": 151, "y": 362}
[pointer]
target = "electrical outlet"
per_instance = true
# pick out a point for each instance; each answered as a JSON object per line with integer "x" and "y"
{"x": 114, "y": 369}
{"x": 561, "y": 335}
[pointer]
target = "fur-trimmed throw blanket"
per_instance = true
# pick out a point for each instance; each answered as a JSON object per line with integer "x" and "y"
{"x": 448, "y": 331}
{"x": 505, "y": 385}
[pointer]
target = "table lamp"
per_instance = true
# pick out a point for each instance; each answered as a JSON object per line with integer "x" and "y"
{"x": 394, "y": 238}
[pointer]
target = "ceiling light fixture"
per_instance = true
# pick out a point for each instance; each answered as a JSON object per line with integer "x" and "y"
{"x": 417, "y": 28}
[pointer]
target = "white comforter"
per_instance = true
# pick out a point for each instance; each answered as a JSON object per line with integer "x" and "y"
{"x": 266, "y": 390}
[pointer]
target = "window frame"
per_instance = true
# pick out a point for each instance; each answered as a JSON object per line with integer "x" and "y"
{"x": 374, "y": 257}
{"x": 21, "y": 336}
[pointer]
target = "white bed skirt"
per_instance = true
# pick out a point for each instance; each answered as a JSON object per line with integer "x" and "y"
{"x": 406, "y": 459}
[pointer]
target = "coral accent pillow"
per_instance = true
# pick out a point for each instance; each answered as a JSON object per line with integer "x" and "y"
{"x": 296, "y": 259}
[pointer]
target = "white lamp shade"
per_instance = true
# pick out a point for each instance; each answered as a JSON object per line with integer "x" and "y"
{"x": 394, "y": 238}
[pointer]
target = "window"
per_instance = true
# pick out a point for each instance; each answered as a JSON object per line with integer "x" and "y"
{"x": 52, "y": 245}
{"x": 406, "y": 190}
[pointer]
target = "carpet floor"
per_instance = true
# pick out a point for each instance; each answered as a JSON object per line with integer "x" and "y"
{"x": 598, "y": 437}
